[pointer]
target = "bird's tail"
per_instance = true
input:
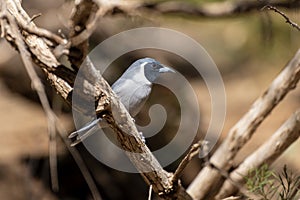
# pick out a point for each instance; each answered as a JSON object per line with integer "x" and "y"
{"x": 86, "y": 131}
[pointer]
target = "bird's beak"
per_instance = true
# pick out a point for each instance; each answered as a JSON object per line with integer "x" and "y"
{"x": 165, "y": 69}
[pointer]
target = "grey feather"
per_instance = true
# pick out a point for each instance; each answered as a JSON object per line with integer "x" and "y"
{"x": 132, "y": 88}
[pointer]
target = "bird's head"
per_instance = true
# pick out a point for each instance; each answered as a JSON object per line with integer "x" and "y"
{"x": 150, "y": 68}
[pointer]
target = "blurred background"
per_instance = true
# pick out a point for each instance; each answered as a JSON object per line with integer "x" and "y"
{"x": 249, "y": 49}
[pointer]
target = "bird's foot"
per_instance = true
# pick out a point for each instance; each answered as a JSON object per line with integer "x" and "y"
{"x": 142, "y": 137}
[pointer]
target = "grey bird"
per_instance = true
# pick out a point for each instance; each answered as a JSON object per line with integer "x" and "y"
{"x": 132, "y": 88}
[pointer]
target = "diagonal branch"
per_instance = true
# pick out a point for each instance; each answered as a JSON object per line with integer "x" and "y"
{"x": 287, "y": 134}
{"x": 287, "y": 19}
{"x": 215, "y": 9}
{"x": 53, "y": 123}
{"x": 194, "y": 150}
{"x": 241, "y": 133}
{"x": 37, "y": 85}
{"x": 109, "y": 107}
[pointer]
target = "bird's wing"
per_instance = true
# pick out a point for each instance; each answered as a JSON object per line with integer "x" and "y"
{"x": 138, "y": 98}
{"x": 132, "y": 94}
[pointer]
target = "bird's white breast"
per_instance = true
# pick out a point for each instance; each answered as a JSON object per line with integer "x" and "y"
{"x": 140, "y": 75}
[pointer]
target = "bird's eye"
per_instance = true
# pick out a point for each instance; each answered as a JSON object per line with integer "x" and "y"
{"x": 152, "y": 66}
{"x": 155, "y": 66}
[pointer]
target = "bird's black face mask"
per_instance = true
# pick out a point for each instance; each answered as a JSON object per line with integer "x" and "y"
{"x": 151, "y": 71}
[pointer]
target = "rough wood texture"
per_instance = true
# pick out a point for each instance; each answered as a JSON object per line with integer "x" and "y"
{"x": 114, "y": 112}
{"x": 210, "y": 10}
{"x": 244, "y": 128}
{"x": 42, "y": 45}
{"x": 40, "y": 52}
{"x": 287, "y": 134}
{"x": 82, "y": 13}
{"x": 130, "y": 140}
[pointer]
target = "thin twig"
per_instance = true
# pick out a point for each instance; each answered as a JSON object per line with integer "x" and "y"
{"x": 90, "y": 28}
{"x": 233, "y": 198}
{"x": 52, "y": 122}
{"x": 145, "y": 162}
{"x": 242, "y": 131}
{"x": 80, "y": 163}
{"x": 103, "y": 10}
{"x": 194, "y": 150}
{"x": 241, "y": 187}
{"x": 150, "y": 192}
{"x": 41, "y": 32}
{"x": 52, "y": 119}
{"x": 45, "y": 34}
{"x": 35, "y": 16}
{"x": 37, "y": 85}
{"x": 267, "y": 153}
{"x": 214, "y": 9}
{"x": 287, "y": 19}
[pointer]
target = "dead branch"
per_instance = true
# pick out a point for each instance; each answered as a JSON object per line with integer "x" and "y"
{"x": 194, "y": 150}
{"x": 240, "y": 187}
{"x": 79, "y": 161}
{"x": 41, "y": 32}
{"x": 233, "y": 198}
{"x": 216, "y": 9}
{"x": 130, "y": 140}
{"x": 41, "y": 52}
{"x": 287, "y": 19}
{"x": 38, "y": 86}
{"x": 287, "y": 134}
{"x": 86, "y": 14}
{"x": 89, "y": 28}
{"x": 53, "y": 123}
{"x": 124, "y": 127}
{"x": 208, "y": 10}
{"x": 244, "y": 128}
{"x": 82, "y": 14}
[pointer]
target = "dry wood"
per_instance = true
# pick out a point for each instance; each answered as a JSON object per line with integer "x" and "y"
{"x": 53, "y": 122}
{"x": 41, "y": 52}
{"x": 286, "y": 135}
{"x": 287, "y": 19}
{"x": 243, "y": 130}
{"x": 212, "y": 10}
{"x": 124, "y": 127}
{"x": 38, "y": 86}
{"x": 82, "y": 13}
{"x": 194, "y": 150}
{"x": 40, "y": 44}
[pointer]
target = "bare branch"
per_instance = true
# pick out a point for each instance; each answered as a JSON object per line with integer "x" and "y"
{"x": 129, "y": 138}
{"x": 287, "y": 19}
{"x": 79, "y": 161}
{"x": 82, "y": 14}
{"x": 41, "y": 32}
{"x": 245, "y": 127}
{"x": 89, "y": 28}
{"x": 287, "y": 134}
{"x": 216, "y": 9}
{"x": 35, "y": 16}
{"x": 41, "y": 53}
{"x": 37, "y": 85}
{"x": 194, "y": 150}
{"x": 150, "y": 192}
{"x": 109, "y": 108}
{"x": 52, "y": 119}
{"x": 233, "y": 198}
{"x": 84, "y": 22}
